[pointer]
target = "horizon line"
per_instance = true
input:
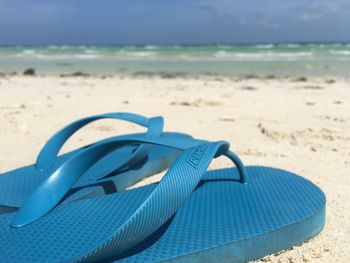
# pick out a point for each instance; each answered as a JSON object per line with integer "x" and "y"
{"x": 182, "y": 45}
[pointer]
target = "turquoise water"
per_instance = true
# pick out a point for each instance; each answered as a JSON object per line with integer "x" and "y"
{"x": 276, "y": 59}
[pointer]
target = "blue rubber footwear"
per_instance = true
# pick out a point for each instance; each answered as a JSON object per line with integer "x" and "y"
{"x": 192, "y": 215}
{"x": 115, "y": 172}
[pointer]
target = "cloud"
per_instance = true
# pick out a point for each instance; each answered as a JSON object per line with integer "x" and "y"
{"x": 323, "y": 10}
{"x": 181, "y": 21}
{"x": 310, "y": 16}
{"x": 259, "y": 23}
{"x": 268, "y": 25}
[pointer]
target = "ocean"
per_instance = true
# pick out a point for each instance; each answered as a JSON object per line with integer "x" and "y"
{"x": 266, "y": 59}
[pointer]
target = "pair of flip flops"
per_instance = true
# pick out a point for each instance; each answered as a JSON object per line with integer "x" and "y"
{"x": 75, "y": 207}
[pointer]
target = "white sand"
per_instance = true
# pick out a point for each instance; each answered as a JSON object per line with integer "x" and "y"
{"x": 299, "y": 126}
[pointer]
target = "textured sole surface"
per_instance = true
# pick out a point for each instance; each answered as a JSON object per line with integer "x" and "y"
{"x": 222, "y": 221}
{"x": 228, "y": 222}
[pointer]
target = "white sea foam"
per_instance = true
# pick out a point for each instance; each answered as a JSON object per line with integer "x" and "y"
{"x": 64, "y": 47}
{"x": 91, "y": 51}
{"x": 43, "y": 56}
{"x": 140, "y": 54}
{"x": 336, "y": 45}
{"x": 340, "y": 52}
{"x": 28, "y": 52}
{"x": 86, "y": 56}
{"x": 293, "y": 45}
{"x": 264, "y": 46}
{"x": 221, "y": 54}
{"x": 151, "y": 47}
{"x": 295, "y": 54}
{"x": 261, "y": 55}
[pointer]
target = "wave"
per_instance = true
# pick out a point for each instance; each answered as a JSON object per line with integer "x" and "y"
{"x": 268, "y": 52}
{"x": 86, "y": 56}
{"x": 151, "y": 47}
{"x": 140, "y": 53}
{"x": 293, "y": 45}
{"x": 295, "y": 54}
{"x": 63, "y": 47}
{"x": 91, "y": 51}
{"x": 264, "y": 46}
{"x": 184, "y": 55}
{"x": 221, "y": 54}
{"x": 261, "y": 55}
{"x": 58, "y": 56}
{"x": 340, "y": 52}
{"x": 28, "y": 52}
{"x": 336, "y": 45}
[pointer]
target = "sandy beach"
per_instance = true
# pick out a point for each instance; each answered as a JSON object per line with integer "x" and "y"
{"x": 301, "y": 124}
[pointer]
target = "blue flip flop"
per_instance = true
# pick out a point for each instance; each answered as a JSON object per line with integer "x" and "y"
{"x": 191, "y": 215}
{"x": 131, "y": 163}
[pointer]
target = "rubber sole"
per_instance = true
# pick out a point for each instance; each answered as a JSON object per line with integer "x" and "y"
{"x": 222, "y": 221}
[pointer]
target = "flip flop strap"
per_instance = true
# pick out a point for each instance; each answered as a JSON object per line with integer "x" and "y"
{"x": 48, "y": 155}
{"x": 173, "y": 190}
{"x": 56, "y": 186}
{"x": 53, "y": 189}
{"x": 155, "y": 129}
{"x": 175, "y": 187}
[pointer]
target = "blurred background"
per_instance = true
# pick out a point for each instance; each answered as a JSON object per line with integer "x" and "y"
{"x": 183, "y": 37}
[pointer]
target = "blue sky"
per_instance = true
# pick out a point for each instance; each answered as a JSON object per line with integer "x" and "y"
{"x": 173, "y": 22}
